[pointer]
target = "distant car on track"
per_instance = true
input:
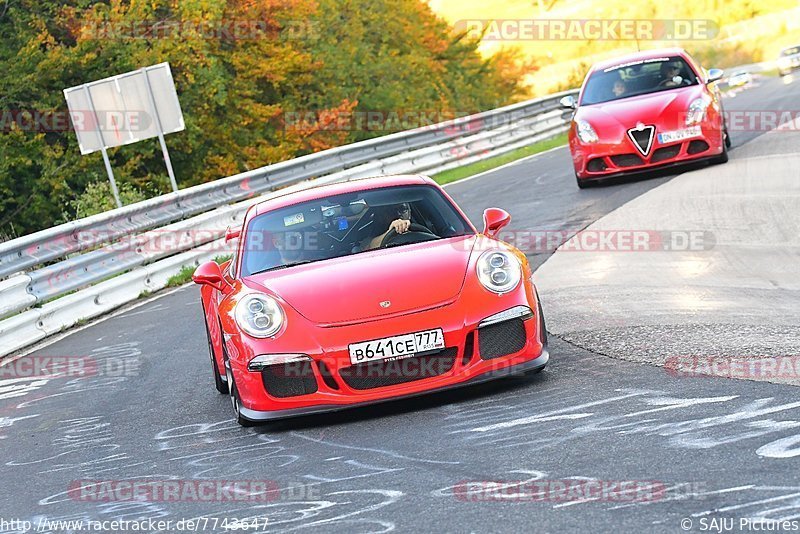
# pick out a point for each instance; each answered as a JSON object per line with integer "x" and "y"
{"x": 645, "y": 111}
{"x": 788, "y": 60}
{"x": 739, "y": 78}
{"x": 365, "y": 291}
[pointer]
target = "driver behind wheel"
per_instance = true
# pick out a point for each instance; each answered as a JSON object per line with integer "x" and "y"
{"x": 670, "y": 75}
{"x": 397, "y": 217}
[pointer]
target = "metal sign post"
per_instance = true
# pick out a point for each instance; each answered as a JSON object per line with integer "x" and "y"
{"x": 111, "y": 179}
{"x": 160, "y": 133}
{"x": 109, "y": 170}
{"x": 125, "y": 109}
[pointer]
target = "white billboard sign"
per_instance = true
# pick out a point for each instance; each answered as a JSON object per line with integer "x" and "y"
{"x": 125, "y": 109}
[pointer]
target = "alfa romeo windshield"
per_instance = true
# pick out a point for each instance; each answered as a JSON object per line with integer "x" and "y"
{"x": 348, "y": 224}
{"x": 637, "y": 78}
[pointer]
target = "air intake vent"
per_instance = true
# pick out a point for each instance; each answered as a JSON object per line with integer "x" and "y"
{"x": 390, "y": 373}
{"x": 697, "y": 146}
{"x": 665, "y": 153}
{"x": 501, "y": 339}
{"x": 627, "y": 160}
{"x": 289, "y": 380}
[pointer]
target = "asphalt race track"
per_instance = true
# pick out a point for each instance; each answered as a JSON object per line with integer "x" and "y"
{"x": 712, "y": 448}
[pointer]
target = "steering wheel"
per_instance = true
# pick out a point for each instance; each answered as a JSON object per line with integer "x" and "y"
{"x": 663, "y": 83}
{"x": 417, "y": 230}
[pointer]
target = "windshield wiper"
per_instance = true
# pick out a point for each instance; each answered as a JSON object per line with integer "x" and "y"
{"x": 284, "y": 266}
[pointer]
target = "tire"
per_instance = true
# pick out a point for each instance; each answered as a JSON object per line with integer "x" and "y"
{"x": 722, "y": 158}
{"x": 582, "y": 184}
{"x": 543, "y": 329}
{"x": 236, "y": 403}
{"x": 219, "y": 383}
{"x": 542, "y": 324}
{"x": 728, "y": 141}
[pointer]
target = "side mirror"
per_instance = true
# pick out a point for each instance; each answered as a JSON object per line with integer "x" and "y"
{"x": 568, "y": 102}
{"x": 714, "y": 75}
{"x": 494, "y": 220}
{"x": 230, "y": 233}
{"x": 210, "y": 274}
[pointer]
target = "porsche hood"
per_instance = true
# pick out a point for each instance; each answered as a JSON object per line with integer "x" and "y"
{"x": 373, "y": 284}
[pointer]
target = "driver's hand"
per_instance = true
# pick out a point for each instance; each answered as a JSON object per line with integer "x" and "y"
{"x": 400, "y": 226}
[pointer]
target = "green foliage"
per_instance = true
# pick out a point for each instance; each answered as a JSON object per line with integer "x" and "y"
{"x": 97, "y": 198}
{"x": 322, "y": 56}
{"x": 184, "y": 276}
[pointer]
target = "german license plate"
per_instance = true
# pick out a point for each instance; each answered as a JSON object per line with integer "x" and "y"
{"x": 396, "y": 346}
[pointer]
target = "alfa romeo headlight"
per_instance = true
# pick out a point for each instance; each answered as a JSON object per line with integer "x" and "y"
{"x": 585, "y": 132}
{"x": 697, "y": 111}
{"x": 499, "y": 271}
{"x": 259, "y": 315}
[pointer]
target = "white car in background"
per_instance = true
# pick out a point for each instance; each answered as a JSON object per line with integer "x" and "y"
{"x": 739, "y": 78}
{"x": 789, "y": 60}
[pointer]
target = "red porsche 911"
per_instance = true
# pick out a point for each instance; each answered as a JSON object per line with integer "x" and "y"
{"x": 645, "y": 111}
{"x": 365, "y": 291}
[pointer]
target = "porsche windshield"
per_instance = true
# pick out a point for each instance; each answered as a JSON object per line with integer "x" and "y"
{"x": 637, "y": 78}
{"x": 349, "y": 224}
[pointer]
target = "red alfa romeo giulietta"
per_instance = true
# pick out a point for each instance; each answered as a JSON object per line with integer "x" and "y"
{"x": 364, "y": 291}
{"x": 645, "y": 111}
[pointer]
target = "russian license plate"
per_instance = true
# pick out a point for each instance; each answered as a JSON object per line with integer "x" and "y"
{"x": 396, "y": 346}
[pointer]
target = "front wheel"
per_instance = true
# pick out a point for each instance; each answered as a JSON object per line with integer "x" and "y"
{"x": 722, "y": 158}
{"x": 219, "y": 383}
{"x": 236, "y": 402}
{"x": 543, "y": 330}
{"x": 582, "y": 184}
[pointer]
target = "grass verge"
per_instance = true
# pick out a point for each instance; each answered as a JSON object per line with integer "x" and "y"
{"x": 184, "y": 276}
{"x": 459, "y": 173}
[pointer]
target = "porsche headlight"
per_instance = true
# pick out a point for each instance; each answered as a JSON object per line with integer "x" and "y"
{"x": 585, "y": 132}
{"x": 697, "y": 111}
{"x": 259, "y": 315}
{"x": 499, "y": 271}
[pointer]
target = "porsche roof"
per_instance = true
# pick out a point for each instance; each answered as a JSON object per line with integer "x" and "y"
{"x": 337, "y": 188}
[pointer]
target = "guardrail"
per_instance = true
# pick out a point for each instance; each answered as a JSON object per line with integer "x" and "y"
{"x": 128, "y": 244}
